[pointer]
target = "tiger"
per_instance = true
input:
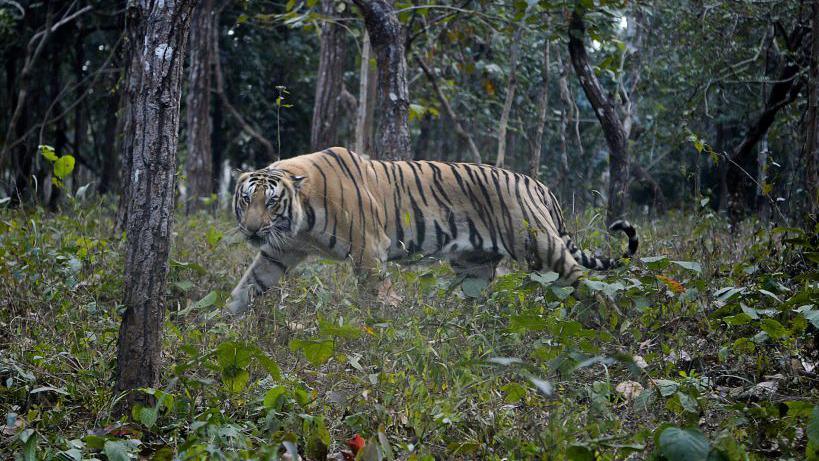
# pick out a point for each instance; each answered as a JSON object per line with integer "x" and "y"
{"x": 340, "y": 205}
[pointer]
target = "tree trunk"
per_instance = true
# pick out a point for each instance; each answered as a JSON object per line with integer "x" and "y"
{"x": 542, "y": 107}
{"x": 812, "y": 144}
{"x": 154, "y": 114}
{"x": 459, "y": 129}
{"x": 606, "y": 113}
{"x": 198, "y": 165}
{"x": 248, "y": 126}
{"x": 510, "y": 98}
{"x": 366, "y": 100}
{"x": 329, "y": 82}
{"x": 783, "y": 91}
{"x": 392, "y": 140}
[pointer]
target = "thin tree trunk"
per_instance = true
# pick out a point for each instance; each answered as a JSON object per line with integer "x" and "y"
{"x": 606, "y": 113}
{"x": 542, "y": 108}
{"x": 150, "y": 196}
{"x": 783, "y": 91}
{"x": 250, "y": 128}
{"x": 392, "y": 135}
{"x": 366, "y": 100}
{"x": 567, "y": 107}
{"x": 510, "y": 98}
{"x": 329, "y": 82}
{"x": 199, "y": 163}
{"x": 459, "y": 129}
{"x": 812, "y": 144}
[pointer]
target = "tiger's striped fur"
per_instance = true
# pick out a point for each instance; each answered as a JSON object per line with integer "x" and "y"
{"x": 338, "y": 204}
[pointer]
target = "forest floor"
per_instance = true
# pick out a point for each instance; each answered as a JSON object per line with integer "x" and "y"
{"x": 703, "y": 345}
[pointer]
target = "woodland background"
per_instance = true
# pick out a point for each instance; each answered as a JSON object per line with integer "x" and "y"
{"x": 120, "y": 124}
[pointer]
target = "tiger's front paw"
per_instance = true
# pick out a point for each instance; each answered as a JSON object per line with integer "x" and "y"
{"x": 239, "y": 301}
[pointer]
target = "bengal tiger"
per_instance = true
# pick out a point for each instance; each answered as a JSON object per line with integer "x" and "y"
{"x": 340, "y": 205}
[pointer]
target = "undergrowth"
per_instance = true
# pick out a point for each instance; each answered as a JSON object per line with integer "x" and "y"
{"x": 704, "y": 346}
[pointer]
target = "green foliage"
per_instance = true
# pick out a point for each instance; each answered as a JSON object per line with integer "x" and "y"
{"x": 695, "y": 349}
{"x": 62, "y": 165}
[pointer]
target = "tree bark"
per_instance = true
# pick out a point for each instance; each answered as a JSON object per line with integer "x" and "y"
{"x": 392, "y": 140}
{"x": 366, "y": 101}
{"x": 542, "y": 106}
{"x": 812, "y": 142}
{"x": 510, "y": 98}
{"x": 199, "y": 163}
{"x": 329, "y": 82}
{"x": 459, "y": 129}
{"x": 151, "y": 162}
{"x": 606, "y": 113}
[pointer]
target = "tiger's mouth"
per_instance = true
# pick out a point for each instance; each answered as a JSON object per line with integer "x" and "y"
{"x": 256, "y": 240}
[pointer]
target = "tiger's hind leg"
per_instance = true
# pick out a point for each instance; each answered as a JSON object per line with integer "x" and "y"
{"x": 265, "y": 271}
{"x": 475, "y": 265}
{"x": 547, "y": 252}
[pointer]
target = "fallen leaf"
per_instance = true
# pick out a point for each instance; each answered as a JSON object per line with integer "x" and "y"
{"x": 356, "y": 443}
{"x": 629, "y": 389}
{"x": 672, "y": 284}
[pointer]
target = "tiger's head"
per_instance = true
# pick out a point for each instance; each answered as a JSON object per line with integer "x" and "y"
{"x": 267, "y": 206}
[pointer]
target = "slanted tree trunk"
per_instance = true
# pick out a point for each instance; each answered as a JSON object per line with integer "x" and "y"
{"x": 392, "y": 139}
{"x": 784, "y": 90}
{"x": 510, "y": 97}
{"x": 456, "y": 122}
{"x": 542, "y": 106}
{"x": 199, "y": 163}
{"x": 151, "y": 162}
{"x": 606, "y": 113}
{"x": 366, "y": 101}
{"x": 329, "y": 82}
{"x": 812, "y": 142}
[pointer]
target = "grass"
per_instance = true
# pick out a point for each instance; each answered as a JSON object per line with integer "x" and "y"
{"x": 715, "y": 329}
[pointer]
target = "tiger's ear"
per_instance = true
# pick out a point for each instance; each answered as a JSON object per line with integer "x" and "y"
{"x": 236, "y": 173}
{"x": 298, "y": 181}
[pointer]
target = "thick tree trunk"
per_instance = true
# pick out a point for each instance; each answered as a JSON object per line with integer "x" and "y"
{"x": 456, "y": 122}
{"x": 812, "y": 144}
{"x": 329, "y": 82}
{"x": 510, "y": 98}
{"x": 199, "y": 163}
{"x": 392, "y": 140}
{"x": 366, "y": 101}
{"x": 606, "y": 113}
{"x": 542, "y": 106}
{"x": 154, "y": 114}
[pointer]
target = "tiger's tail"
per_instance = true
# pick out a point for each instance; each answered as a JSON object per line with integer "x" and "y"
{"x": 592, "y": 262}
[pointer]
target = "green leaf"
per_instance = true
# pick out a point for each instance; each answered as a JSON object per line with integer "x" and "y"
{"x": 316, "y": 351}
{"x": 344, "y": 330}
{"x": 272, "y": 398}
{"x": 213, "y": 236}
{"x": 610, "y": 289}
{"x": 233, "y": 359}
{"x": 774, "y": 329}
{"x": 579, "y": 453}
{"x": 64, "y": 166}
{"x": 544, "y": 278}
{"x": 683, "y": 444}
{"x": 514, "y": 392}
{"x": 527, "y": 322}
{"x": 666, "y": 386}
{"x": 207, "y": 301}
{"x": 812, "y": 431}
{"x": 48, "y": 152}
{"x": 656, "y": 262}
{"x": 473, "y": 287}
{"x": 690, "y": 265}
{"x": 119, "y": 450}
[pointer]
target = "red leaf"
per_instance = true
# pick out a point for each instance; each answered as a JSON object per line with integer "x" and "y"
{"x": 356, "y": 443}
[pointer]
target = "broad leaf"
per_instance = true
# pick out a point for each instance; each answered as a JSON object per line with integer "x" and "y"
{"x": 684, "y": 444}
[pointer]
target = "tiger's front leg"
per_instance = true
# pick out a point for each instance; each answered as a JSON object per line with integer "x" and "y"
{"x": 265, "y": 271}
